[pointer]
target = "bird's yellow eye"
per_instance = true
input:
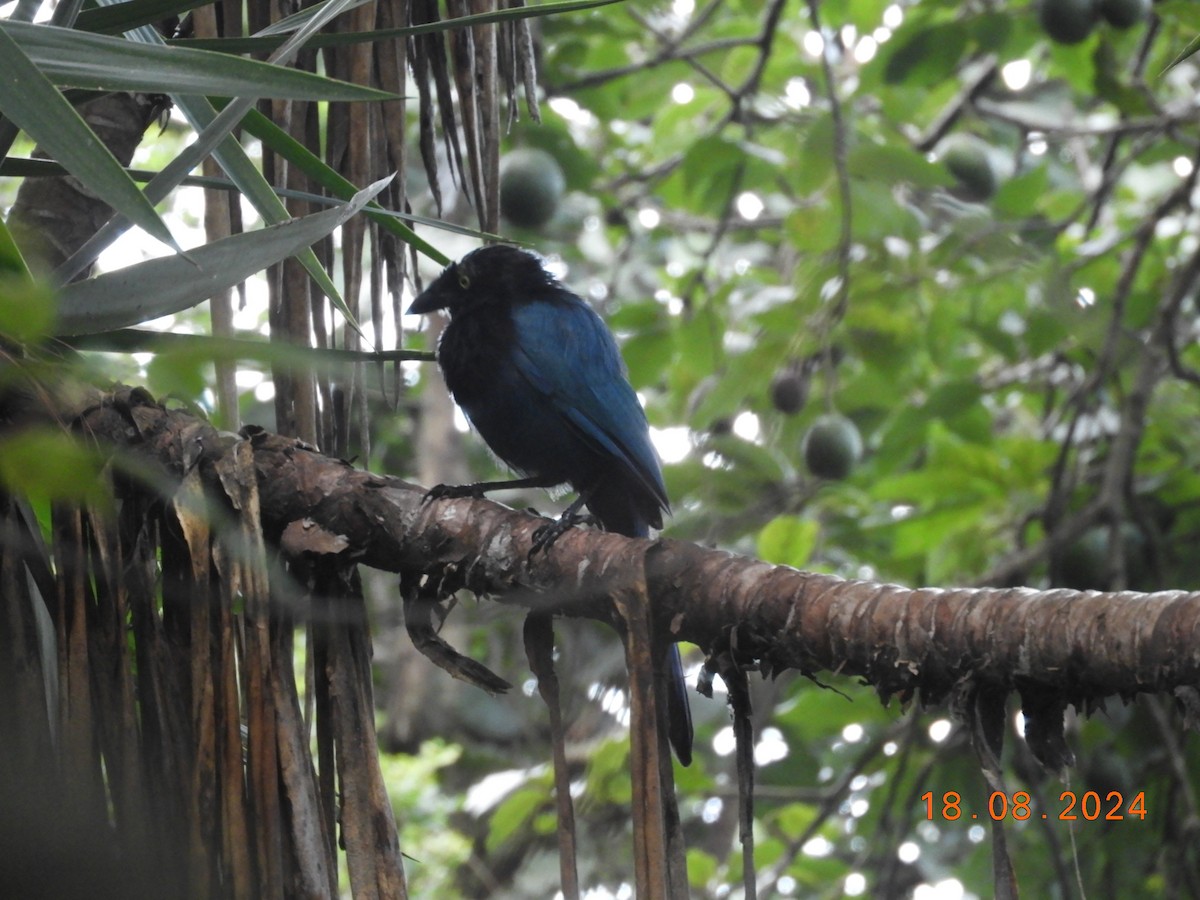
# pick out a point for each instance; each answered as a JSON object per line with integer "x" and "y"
{"x": 463, "y": 281}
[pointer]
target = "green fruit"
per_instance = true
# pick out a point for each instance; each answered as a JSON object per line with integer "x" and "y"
{"x": 531, "y": 186}
{"x": 969, "y": 160}
{"x": 832, "y": 447}
{"x": 1067, "y": 21}
{"x": 1124, "y": 13}
{"x": 789, "y": 391}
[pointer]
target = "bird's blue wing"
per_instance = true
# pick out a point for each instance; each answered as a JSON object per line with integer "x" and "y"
{"x": 565, "y": 352}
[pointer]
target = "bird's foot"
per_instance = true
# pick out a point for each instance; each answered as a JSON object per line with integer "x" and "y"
{"x": 545, "y": 536}
{"x": 453, "y": 492}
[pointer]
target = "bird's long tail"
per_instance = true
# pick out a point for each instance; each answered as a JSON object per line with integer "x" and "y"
{"x": 617, "y": 512}
{"x": 679, "y": 713}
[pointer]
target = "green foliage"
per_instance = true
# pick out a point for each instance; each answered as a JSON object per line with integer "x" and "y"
{"x": 27, "y": 308}
{"x": 788, "y": 541}
{"x": 42, "y": 111}
{"x": 990, "y": 354}
{"x": 46, "y": 465}
{"x": 743, "y": 203}
{"x": 179, "y": 374}
{"x": 12, "y": 263}
{"x": 425, "y": 812}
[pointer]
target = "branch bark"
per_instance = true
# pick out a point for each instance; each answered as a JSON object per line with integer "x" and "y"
{"x": 1053, "y": 647}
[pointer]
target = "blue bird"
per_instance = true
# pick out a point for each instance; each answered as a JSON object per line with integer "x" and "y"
{"x": 539, "y": 376}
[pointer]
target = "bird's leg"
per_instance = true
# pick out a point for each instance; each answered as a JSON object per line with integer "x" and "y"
{"x": 546, "y": 535}
{"x": 480, "y": 488}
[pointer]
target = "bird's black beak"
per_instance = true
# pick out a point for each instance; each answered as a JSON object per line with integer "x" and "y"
{"x": 427, "y": 301}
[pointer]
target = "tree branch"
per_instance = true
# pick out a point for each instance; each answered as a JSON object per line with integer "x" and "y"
{"x": 1060, "y": 645}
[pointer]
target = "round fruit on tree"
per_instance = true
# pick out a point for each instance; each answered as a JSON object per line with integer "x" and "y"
{"x": 1067, "y": 21}
{"x": 832, "y": 447}
{"x": 969, "y": 160}
{"x": 1124, "y": 13}
{"x": 531, "y": 186}
{"x": 789, "y": 390}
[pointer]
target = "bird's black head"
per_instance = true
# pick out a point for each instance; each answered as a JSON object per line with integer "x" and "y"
{"x": 495, "y": 274}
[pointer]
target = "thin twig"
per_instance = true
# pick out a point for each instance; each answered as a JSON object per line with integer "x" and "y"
{"x": 1001, "y": 113}
{"x": 667, "y": 55}
{"x": 845, "y": 236}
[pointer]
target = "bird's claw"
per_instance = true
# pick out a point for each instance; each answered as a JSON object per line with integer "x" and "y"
{"x": 545, "y": 535}
{"x": 452, "y": 492}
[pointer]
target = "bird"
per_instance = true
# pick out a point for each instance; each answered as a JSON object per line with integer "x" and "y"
{"x": 538, "y": 375}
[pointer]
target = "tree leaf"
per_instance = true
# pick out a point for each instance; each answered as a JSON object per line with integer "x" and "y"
{"x": 121, "y": 17}
{"x": 33, "y": 103}
{"x": 268, "y": 42}
{"x": 329, "y": 178}
{"x": 214, "y": 136}
{"x": 170, "y": 284}
{"x": 11, "y": 260}
{"x": 788, "y": 541}
{"x": 26, "y": 307}
{"x": 77, "y": 59}
{"x": 928, "y": 56}
{"x": 46, "y": 463}
{"x": 895, "y": 163}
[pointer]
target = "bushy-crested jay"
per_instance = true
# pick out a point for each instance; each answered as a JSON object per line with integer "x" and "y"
{"x": 538, "y": 374}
